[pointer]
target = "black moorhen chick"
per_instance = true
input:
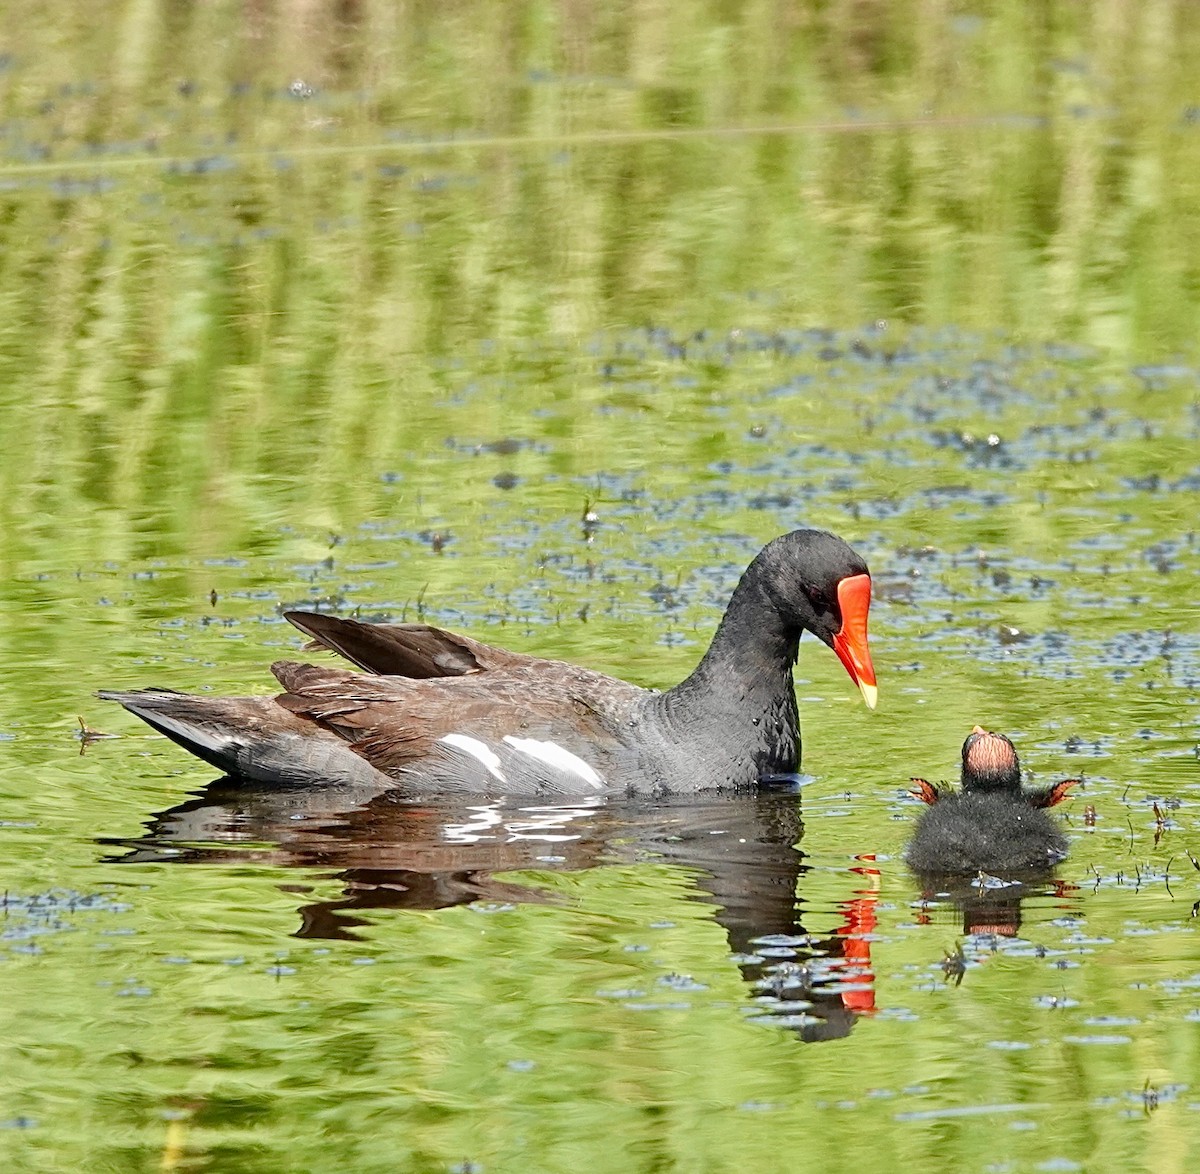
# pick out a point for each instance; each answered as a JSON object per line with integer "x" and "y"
{"x": 445, "y": 714}
{"x": 993, "y": 825}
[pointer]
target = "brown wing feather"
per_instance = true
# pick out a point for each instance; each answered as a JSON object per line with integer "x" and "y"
{"x": 418, "y": 651}
{"x": 392, "y": 720}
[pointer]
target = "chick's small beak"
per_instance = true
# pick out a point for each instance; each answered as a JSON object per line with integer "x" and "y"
{"x": 850, "y": 643}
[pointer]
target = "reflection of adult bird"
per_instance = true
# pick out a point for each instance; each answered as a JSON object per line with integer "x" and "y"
{"x": 736, "y": 852}
{"x": 445, "y": 714}
{"x": 993, "y": 825}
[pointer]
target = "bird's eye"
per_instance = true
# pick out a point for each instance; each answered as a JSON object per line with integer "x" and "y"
{"x": 819, "y": 600}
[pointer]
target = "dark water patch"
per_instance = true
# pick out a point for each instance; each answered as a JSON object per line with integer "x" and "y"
{"x": 1161, "y": 376}
{"x": 28, "y": 918}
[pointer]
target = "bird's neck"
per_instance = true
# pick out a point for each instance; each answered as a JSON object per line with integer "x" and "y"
{"x": 752, "y": 649}
{"x": 741, "y": 692}
{"x": 997, "y": 782}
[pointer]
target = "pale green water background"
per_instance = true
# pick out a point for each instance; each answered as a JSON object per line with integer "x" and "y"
{"x": 287, "y": 290}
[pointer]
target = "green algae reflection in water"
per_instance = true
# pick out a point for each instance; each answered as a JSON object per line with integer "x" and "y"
{"x": 360, "y": 305}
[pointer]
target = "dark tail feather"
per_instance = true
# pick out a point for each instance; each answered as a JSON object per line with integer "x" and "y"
{"x": 251, "y": 737}
{"x": 186, "y": 720}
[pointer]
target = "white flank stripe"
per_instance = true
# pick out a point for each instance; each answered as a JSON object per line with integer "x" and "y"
{"x": 552, "y": 754}
{"x": 477, "y": 749}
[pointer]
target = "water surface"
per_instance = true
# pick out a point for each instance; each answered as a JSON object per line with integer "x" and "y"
{"x": 367, "y": 310}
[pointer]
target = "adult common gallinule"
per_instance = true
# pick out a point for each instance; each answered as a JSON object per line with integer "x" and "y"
{"x": 993, "y": 825}
{"x": 446, "y": 714}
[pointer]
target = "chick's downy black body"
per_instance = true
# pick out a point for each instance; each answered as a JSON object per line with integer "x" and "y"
{"x": 992, "y": 825}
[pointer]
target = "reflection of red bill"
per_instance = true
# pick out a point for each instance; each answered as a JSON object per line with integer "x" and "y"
{"x": 856, "y": 928}
{"x": 850, "y": 643}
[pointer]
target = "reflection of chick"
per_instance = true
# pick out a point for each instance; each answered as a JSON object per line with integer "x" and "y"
{"x": 993, "y": 825}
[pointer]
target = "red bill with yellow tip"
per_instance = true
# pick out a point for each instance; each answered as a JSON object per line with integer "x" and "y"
{"x": 850, "y": 643}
